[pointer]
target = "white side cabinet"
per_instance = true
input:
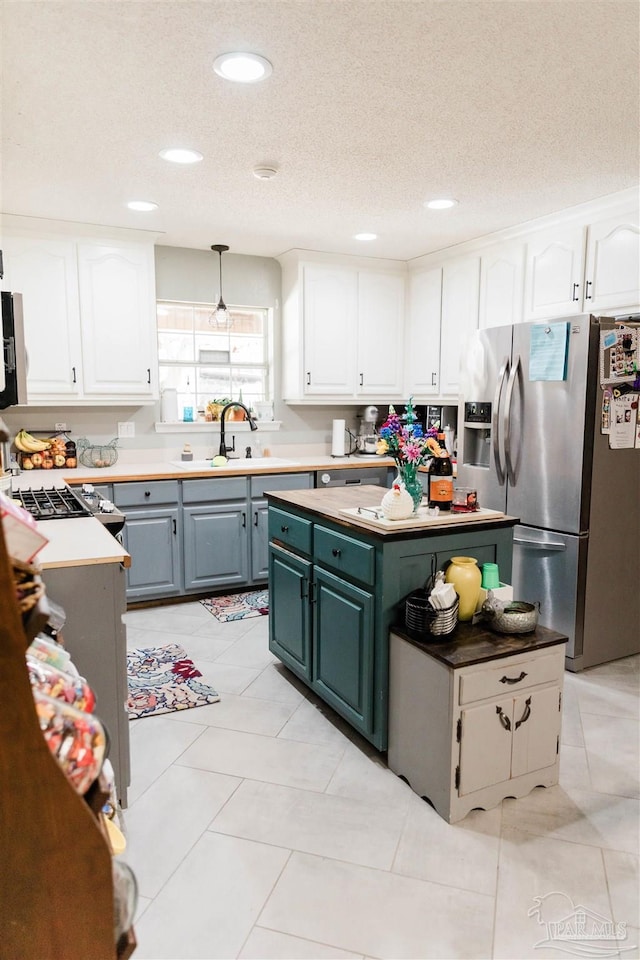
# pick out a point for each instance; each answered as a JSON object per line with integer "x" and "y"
{"x": 554, "y": 273}
{"x": 501, "y": 284}
{"x": 612, "y": 273}
{"x": 476, "y": 719}
{"x": 89, "y": 316}
{"x": 422, "y": 350}
{"x": 342, "y": 329}
{"x": 460, "y": 296}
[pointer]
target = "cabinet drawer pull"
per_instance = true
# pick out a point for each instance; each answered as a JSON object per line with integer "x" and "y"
{"x": 527, "y": 713}
{"x": 244, "y": 519}
{"x": 336, "y": 552}
{"x": 506, "y": 679}
{"x": 504, "y": 720}
{"x": 255, "y": 519}
{"x": 575, "y": 296}
{"x": 362, "y": 379}
{"x": 147, "y": 493}
{"x": 433, "y": 380}
{"x": 308, "y": 378}
{"x": 73, "y": 375}
{"x": 175, "y": 527}
{"x": 284, "y": 529}
{"x": 588, "y": 284}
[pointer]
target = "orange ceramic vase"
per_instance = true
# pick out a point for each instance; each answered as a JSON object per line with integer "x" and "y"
{"x": 464, "y": 574}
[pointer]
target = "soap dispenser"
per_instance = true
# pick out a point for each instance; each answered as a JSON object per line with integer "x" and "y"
{"x": 187, "y": 453}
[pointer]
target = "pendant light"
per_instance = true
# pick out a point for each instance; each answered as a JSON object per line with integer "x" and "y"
{"x": 220, "y": 317}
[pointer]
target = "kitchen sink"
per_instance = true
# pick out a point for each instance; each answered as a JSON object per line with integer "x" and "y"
{"x": 235, "y": 463}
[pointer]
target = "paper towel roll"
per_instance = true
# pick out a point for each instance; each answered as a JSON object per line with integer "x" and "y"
{"x": 169, "y": 405}
{"x": 337, "y": 439}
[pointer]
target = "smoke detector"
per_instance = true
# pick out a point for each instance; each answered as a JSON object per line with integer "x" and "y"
{"x": 265, "y": 172}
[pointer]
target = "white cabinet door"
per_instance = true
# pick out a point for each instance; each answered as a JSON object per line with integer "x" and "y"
{"x": 380, "y": 334}
{"x": 330, "y": 305}
{"x": 117, "y": 305}
{"x": 44, "y": 272}
{"x": 460, "y": 295}
{"x": 422, "y": 343}
{"x": 553, "y": 273}
{"x": 536, "y": 727}
{"x": 612, "y": 276}
{"x": 501, "y": 285}
{"x": 485, "y": 747}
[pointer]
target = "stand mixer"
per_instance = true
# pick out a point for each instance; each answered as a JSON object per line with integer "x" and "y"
{"x": 367, "y": 439}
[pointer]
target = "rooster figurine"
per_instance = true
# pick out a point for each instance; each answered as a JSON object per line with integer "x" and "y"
{"x": 397, "y": 503}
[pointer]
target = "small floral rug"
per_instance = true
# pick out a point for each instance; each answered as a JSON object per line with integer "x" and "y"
{"x": 238, "y": 606}
{"x": 163, "y": 679}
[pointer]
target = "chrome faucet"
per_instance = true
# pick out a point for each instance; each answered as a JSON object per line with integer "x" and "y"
{"x": 224, "y": 449}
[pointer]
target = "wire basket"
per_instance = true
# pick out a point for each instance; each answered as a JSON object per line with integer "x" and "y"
{"x": 421, "y": 618}
{"x": 103, "y": 455}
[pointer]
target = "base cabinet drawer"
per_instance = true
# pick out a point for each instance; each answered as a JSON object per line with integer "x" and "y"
{"x": 146, "y": 494}
{"x": 507, "y": 676}
{"x": 290, "y": 530}
{"x": 344, "y": 555}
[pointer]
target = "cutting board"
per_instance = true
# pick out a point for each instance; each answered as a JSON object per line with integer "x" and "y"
{"x": 422, "y": 519}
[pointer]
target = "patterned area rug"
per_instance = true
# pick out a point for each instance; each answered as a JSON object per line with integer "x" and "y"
{"x": 163, "y": 679}
{"x": 238, "y": 606}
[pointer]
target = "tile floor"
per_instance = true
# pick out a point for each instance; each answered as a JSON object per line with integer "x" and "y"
{"x": 262, "y": 826}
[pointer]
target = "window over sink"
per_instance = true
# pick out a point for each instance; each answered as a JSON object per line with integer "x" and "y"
{"x": 205, "y": 363}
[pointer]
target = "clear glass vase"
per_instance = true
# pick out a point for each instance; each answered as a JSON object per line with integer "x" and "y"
{"x": 408, "y": 473}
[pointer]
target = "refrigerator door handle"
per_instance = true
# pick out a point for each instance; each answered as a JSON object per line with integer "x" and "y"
{"x": 511, "y": 474}
{"x": 495, "y": 420}
{"x": 540, "y": 544}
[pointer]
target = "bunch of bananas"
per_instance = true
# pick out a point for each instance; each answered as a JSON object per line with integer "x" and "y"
{"x": 27, "y": 443}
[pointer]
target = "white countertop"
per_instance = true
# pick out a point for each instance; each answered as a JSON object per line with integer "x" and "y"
{"x": 77, "y": 542}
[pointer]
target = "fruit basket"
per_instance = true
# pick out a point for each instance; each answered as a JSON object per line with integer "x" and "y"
{"x": 53, "y": 453}
{"x": 97, "y": 455}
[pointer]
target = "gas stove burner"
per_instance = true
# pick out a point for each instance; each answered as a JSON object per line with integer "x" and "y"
{"x": 52, "y": 504}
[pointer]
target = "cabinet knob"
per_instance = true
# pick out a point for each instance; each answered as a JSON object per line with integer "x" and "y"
{"x": 336, "y": 552}
{"x": 147, "y": 493}
{"x": 284, "y": 529}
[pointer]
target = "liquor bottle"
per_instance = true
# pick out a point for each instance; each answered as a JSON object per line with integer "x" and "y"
{"x": 441, "y": 478}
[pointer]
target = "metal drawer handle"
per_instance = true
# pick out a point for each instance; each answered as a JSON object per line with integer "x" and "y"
{"x": 527, "y": 713}
{"x": 336, "y": 552}
{"x": 255, "y": 519}
{"x": 506, "y": 679}
{"x": 588, "y": 284}
{"x": 284, "y": 529}
{"x": 504, "y": 720}
{"x": 575, "y": 296}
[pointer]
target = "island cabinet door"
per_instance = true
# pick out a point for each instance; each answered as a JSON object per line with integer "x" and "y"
{"x": 343, "y": 653}
{"x": 290, "y": 611}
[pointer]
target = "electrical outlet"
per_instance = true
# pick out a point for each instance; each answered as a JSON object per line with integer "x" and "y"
{"x": 126, "y": 429}
{"x": 60, "y": 426}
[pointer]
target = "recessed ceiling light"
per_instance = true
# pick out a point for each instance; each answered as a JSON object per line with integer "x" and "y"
{"x": 143, "y": 206}
{"x": 365, "y": 236}
{"x": 180, "y": 155}
{"x": 242, "y": 67}
{"x": 265, "y": 173}
{"x": 443, "y": 203}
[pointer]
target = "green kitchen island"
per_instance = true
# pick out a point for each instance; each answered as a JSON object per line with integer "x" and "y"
{"x": 336, "y": 582}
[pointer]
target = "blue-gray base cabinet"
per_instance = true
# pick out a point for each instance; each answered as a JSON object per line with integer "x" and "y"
{"x": 336, "y": 589}
{"x": 195, "y": 535}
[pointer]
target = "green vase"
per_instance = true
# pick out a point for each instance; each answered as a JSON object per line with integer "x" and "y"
{"x": 409, "y": 476}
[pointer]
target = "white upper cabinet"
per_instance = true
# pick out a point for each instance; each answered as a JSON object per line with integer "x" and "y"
{"x": 44, "y": 272}
{"x": 330, "y": 310}
{"x": 612, "y": 274}
{"x": 342, "y": 329}
{"x": 460, "y": 299}
{"x": 380, "y": 334}
{"x": 422, "y": 364}
{"x": 501, "y": 284}
{"x": 554, "y": 273}
{"x": 118, "y": 319}
{"x": 89, "y": 317}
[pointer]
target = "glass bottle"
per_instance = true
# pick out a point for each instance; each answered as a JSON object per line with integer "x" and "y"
{"x": 441, "y": 478}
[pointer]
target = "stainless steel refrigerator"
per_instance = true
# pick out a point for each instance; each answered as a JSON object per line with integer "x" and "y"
{"x": 534, "y": 449}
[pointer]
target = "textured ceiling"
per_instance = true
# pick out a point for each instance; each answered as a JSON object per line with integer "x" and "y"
{"x": 517, "y": 108}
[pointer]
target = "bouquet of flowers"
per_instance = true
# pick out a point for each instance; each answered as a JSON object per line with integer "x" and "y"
{"x": 404, "y": 439}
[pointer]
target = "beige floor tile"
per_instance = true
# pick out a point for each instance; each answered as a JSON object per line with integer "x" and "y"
{"x": 574, "y": 768}
{"x": 158, "y": 840}
{"x": 233, "y": 630}
{"x": 269, "y": 945}
{"x": 315, "y": 722}
{"x": 225, "y": 678}
{"x": 462, "y": 855}
{"x": 613, "y": 770}
{"x": 263, "y": 758}
{"x": 243, "y": 713}
{"x": 622, "y": 871}
{"x": 251, "y": 650}
{"x": 362, "y": 774}
{"x": 208, "y": 907}
{"x": 160, "y": 620}
{"x": 579, "y": 816}
{"x": 275, "y": 682}
{"x": 571, "y": 732}
{"x": 156, "y": 742}
{"x": 335, "y": 827}
{"x": 565, "y": 875}
{"x": 377, "y": 913}
{"x": 608, "y": 698}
